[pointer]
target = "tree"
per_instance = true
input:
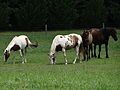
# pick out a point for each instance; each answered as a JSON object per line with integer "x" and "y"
{"x": 32, "y": 13}
{"x": 61, "y": 12}
{"x": 94, "y": 13}
{"x": 113, "y": 9}
{"x": 4, "y": 15}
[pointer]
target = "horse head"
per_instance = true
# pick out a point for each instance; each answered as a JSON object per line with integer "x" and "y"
{"x": 52, "y": 58}
{"x": 6, "y": 55}
{"x": 113, "y": 33}
{"x": 85, "y": 37}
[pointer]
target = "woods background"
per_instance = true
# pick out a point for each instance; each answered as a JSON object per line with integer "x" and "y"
{"x": 58, "y": 14}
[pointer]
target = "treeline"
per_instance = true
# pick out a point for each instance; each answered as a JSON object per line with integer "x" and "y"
{"x": 58, "y": 14}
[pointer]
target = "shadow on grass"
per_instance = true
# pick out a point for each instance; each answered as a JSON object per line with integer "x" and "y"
{"x": 16, "y": 62}
{"x": 60, "y": 64}
{"x": 77, "y": 61}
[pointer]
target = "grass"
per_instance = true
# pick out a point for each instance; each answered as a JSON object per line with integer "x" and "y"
{"x": 38, "y": 74}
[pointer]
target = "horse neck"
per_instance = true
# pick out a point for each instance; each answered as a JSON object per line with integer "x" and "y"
{"x": 11, "y": 44}
{"x": 8, "y": 49}
{"x": 52, "y": 50}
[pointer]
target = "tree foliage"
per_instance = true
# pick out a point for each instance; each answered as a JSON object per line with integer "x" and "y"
{"x": 4, "y": 14}
{"x": 59, "y": 13}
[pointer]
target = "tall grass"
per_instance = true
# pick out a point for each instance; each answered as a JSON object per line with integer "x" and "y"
{"x": 38, "y": 74}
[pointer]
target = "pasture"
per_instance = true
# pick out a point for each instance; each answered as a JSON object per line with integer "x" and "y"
{"x": 38, "y": 74}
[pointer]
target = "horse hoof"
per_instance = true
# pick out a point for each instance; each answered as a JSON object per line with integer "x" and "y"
{"x": 98, "y": 57}
{"x": 80, "y": 61}
{"x": 23, "y": 62}
{"x": 65, "y": 63}
{"x": 107, "y": 57}
{"x": 73, "y": 62}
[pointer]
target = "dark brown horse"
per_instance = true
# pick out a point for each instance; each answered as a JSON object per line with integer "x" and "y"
{"x": 101, "y": 36}
{"x": 87, "y": 43}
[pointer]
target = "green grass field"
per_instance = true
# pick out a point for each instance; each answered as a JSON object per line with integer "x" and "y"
{"x": 38, "y": 74}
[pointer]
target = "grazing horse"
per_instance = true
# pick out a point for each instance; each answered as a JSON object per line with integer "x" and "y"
{"x": 87, "y": 43}
{"x": 18, "y": 43}
{"x": 101, "y": 36}
{"x": 63, "y": 43}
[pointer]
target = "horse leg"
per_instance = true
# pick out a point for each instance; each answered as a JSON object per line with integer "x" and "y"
{"x": 87, "y": 53}
{"x": 13, "y": 58}
{"x": 90, "y": 49}
{"x": 84, "y": 55}
{"x": 77, "y": 53}
{"x": 64, "y": 53}
{"x": 25, "y": 55}
{"x": 22, "y": 56}
{"x": 99, "y": 51}
{"x": 95, "y": 51}
{"x": 106, "y": 49}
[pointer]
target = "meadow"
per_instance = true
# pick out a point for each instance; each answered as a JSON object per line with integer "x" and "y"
{"x": 38, "y": 74}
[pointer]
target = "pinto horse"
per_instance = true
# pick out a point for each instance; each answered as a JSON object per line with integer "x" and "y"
{"x": 63, "y": 43}
{"x": 18, "y": 43}
{"x": 87, "y": 43}
{"x": 101, "y": 36}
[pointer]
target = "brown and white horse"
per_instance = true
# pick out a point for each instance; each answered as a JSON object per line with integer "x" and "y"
{"x": 63, "y": 43}
{"x": 101, "y": 36}
{"x": 18, "y": 43}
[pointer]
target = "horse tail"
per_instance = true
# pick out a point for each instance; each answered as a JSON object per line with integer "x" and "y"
{"x": 32, "y": 45}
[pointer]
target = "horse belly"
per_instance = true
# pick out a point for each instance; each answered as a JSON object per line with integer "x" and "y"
{"x": 98, "y": 39}
{"x": 98, "y": 42}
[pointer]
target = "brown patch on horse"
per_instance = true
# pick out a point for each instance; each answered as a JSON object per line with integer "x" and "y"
{"x": 15, "y": 48}
{"x": 58, "y": 48}
{"x": 62, "y": 36}
{"x": 26, "y": 42}
{"x": 73, "y": 40}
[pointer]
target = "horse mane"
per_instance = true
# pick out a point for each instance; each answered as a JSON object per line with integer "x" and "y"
{"x": 106, "y": 31}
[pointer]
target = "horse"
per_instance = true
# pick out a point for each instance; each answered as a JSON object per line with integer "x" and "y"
{"x": 101, "y": 36}
{"x": 87, "y": 43}
{"x": 63, "y": 43}
{"x": 19, "y": 43}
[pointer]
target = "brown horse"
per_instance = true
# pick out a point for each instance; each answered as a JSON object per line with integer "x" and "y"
{"x": 101, "y": 36}
{"x": 87, "y": 43}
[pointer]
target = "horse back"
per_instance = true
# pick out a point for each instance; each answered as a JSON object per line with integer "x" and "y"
{"x": 98, "y": 36}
